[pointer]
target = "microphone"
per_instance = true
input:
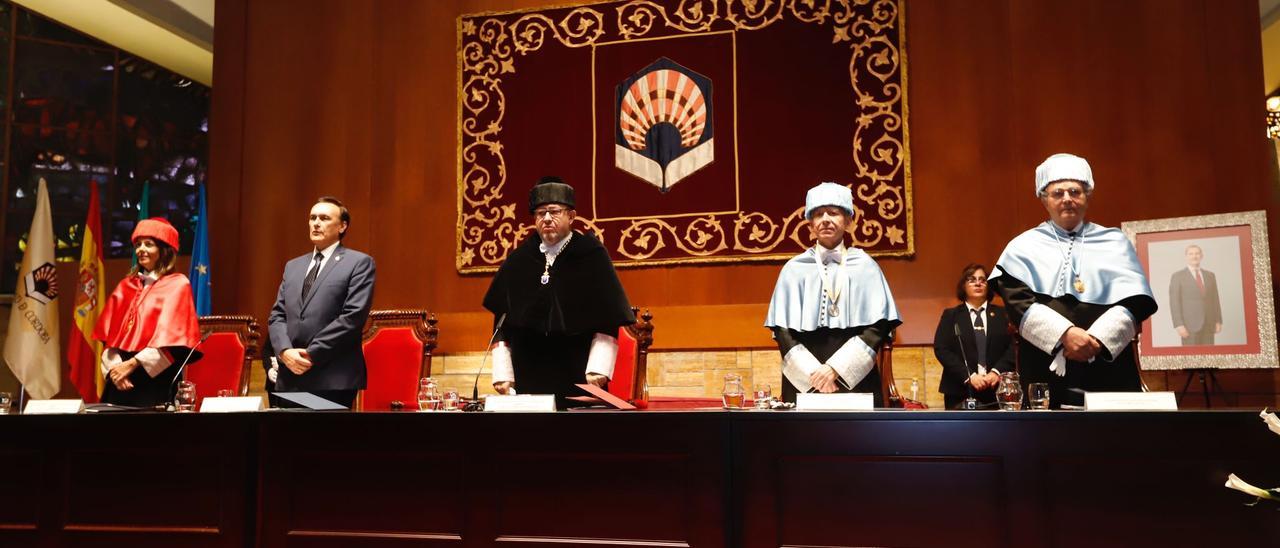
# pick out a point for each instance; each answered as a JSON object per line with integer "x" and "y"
{"x": 475, "y": 387}
{"x": 968, "y": 387}
{"x": 173, "y": 385}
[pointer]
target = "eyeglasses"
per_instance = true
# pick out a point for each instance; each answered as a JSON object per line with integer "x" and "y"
{"x": 975, "y": 280}
{"x": 1057, "y": 194}
{"x": 552, "y": 211}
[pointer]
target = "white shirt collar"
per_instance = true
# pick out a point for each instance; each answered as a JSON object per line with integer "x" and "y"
{"x": 148, "y": 277}
{"x": 328, "y": 251}
{"x": 972, "y": 308}
{"x": 556, "y": 248}
{"x": 1063, "y": 231}
{"x": 826, "y": 255}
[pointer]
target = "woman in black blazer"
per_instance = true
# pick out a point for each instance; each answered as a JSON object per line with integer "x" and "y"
{"x": 966, "y": 368}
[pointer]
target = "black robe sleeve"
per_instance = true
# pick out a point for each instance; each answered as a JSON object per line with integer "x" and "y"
{"x": 946, "y": 347}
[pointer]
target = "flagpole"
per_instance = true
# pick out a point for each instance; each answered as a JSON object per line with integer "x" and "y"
{"x": 22, "y": 393}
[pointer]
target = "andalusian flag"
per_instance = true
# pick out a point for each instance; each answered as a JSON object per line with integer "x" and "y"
{"x": 82, "y": 350}
{"x": 201, "y": 286}
{"x": 32, "y": 347}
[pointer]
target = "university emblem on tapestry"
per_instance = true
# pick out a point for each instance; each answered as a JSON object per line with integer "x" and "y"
{"x": 664, "y": 131}
{"x": 689, "y": 129}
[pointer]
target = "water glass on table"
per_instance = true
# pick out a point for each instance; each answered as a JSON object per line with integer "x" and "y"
{"x": 763, "y": 396}
{"x": 1039, "y": 395}
{"x": 449, "y": 399}
{"x": 185, "y": 400}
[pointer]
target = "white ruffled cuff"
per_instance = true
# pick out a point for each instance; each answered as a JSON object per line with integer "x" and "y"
{"x": 152, "y": 360}
{"x": 1043, "y": 327}
{"x": 1114, "y": 329}
{"x": 110, "y": 359}
{"x": 503, "y": 370}
{"x": 853, "y": 361}
{"x": 797, "y": 365}
{"x": 603, "y": 355}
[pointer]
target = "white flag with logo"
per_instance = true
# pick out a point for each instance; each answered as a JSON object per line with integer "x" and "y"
{"x": 32, "y": 347}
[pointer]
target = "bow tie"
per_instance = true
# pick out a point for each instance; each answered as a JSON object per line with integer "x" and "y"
{"x": 829, "y": 256}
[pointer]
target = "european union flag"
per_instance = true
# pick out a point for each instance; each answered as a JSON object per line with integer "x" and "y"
{"x": 201, "y": 285}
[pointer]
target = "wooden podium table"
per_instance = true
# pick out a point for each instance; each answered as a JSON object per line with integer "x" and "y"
{"x": 681, "y": 478}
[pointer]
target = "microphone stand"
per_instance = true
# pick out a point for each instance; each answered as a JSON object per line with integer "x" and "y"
{"x": 475, "y": 386}
{"x": 173, "y": 384}
{"x": 970, "y": 403}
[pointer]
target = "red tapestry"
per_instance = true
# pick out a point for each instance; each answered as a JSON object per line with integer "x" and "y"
{"x": 690, "y": 130}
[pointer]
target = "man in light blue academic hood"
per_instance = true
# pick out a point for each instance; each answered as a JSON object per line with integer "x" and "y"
{"x": 831, "y": 309}
{"x": 1076, "y": 291}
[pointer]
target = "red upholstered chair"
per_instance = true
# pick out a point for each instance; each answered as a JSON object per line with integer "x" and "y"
{"x": 397, "y": 352}
{"x": 229, "y": 350}
{"x": 629, "y": 370}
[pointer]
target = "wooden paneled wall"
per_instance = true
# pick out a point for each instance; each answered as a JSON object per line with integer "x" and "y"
{"x": 357, "y": 99}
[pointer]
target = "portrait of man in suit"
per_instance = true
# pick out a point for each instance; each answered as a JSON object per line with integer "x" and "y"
{"x": 1194, "y": 304}
{"x": 320, "y": 310}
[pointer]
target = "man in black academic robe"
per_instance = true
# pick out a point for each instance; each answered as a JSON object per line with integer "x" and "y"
{"x": 1076, "y": 290}
{"x": 557, "y": 305}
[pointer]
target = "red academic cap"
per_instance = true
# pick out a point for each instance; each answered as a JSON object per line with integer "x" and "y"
{"x": 158, "y": 229}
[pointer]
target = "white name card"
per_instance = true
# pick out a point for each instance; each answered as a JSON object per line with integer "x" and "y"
{"x": 1130, "y": 401}
{"x": 849, "y": 401}
{"x": 54, "y": 407}
{"x": 236, "y": 404}
{"x": 520, "y": 403}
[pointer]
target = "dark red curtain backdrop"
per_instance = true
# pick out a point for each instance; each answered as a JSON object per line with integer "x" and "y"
{"x": 801, "y": 93}
{"x": 359, "y": 99}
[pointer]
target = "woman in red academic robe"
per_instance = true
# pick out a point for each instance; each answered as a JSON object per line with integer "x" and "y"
{"x": 149, "y": 324}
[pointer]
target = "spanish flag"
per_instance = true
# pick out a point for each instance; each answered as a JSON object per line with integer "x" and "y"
{"x": 82, "y": 350}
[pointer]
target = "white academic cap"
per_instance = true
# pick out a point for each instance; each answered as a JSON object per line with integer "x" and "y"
{"x": 1063, "y": 167}
{"x": 828, "y": 194}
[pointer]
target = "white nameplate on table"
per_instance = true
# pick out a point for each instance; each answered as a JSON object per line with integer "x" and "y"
{"x": 848, "y": 401}
{"x": 234, "y": 404}
{"x": 54, "y": 407}
{"x": 523, "y": 403}
{"x": 1130, "y": 401}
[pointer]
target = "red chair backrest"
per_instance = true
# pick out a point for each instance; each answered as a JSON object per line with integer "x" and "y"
{"x": 394, "y": 360}
{"x": 228, "y": 353}
{"x": 629, "y": 369}
{"x": 623, "y": 383}
{"x": 221, "y": 366}
{"x": 397, "y": 352}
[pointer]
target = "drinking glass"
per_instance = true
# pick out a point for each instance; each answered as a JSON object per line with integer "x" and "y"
{"x": 1039, "y": 395}
{"x": 763, "y": 396}
{"x": 449, "y": 399}
{"x": 185, "y": 400}
{"x": 6, "y": 402}
{"x": 733, "y": 393}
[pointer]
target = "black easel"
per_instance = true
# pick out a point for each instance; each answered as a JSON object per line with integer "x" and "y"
{"x": 1208, "y": 384}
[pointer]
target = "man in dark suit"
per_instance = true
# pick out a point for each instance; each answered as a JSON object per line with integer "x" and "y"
{"x": 1193, "y": 301}
{"x": 972, "y": 343}
{"x": 320, "y": 311}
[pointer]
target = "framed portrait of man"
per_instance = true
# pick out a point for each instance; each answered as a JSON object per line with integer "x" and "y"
{"x": 1211, "y": 276}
